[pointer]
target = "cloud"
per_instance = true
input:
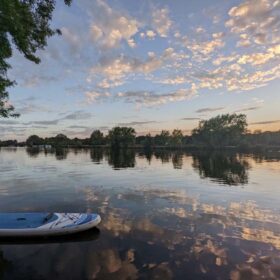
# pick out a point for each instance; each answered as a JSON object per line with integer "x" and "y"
{"x": 257, "y": 19}
{"x": 204, "y": 47}
{"x": 8, "y": 122}
{"x": 248, "y": 109}
{"x": 37, "y": 79}
{"x": 191, "y": 119}
{"x": 225, "y": 59}
{"x": 200, "y": 30}
{"x": 46, "y": 122}
{"x": 110, "y": 27}
{"x": 12, "y": 129}
{"x": 31, "y": 108}
{"x": 78, "y": 115}
{"x": 250, "y": 81}
{"x": 29, "y": 105}
{"x": 150, "y": 98}
{"x": 201, "y": 56}
{"x": 72, "y": 38}
{"x": 256, "y": 58}
{"x": 161, "y": 21}
{"x": 85, "y": 132}
{"x": 236, "y": 71}
{"x": 151, "y": 34}
{"x": 78, "y": 126}
{"x": 265, "y": 122}
{"x": 235, "y": 77}
{"x": 136, "y": 123}
{"x": 94, "y": 96}
{"x": 114, "y": 70}
{"x": 209, "y": 109}
{"x": 176, "y": 80}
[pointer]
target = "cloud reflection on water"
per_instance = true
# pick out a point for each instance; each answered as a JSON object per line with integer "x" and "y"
{"x": 147, "y": 231}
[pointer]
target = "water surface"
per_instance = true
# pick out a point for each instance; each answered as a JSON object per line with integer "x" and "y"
{"x": 165, "y": 215}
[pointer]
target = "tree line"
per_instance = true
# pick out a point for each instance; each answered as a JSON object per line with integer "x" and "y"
{"x": 228, "y": 130}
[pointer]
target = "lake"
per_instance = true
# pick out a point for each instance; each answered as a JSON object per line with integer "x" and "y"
{"x": 165, "y": 215}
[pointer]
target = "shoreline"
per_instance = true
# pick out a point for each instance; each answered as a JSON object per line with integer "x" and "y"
{"x": 156, "y": 147}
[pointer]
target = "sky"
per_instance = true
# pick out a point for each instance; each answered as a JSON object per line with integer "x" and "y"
{"x": 151, "y": 65}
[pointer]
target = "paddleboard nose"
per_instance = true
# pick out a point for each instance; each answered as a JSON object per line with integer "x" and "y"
{"x": 96, "y": 218}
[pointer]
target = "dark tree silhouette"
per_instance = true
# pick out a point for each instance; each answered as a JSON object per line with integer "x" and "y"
{"x": 34, "y": 140}
{"x": 222, "y": 130}
{"x": 97, "y": 138}
{"x": 121, "y": 137}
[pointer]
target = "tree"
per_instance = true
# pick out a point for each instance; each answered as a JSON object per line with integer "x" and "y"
{"x": 121, "y": 137}
{"x": 97, "y": 138}
{"x": 26, "y": 25}
{"x": 222, "y": 130}
{"x": 177, "y": 137}
{"x": 163, "y": 138}
{"x": 34, "y": 140}
{"x": 148, "y": 142}
{"x": 61, "y": 140}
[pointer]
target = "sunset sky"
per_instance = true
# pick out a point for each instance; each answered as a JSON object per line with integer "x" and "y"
{"x": 152, "y": 65}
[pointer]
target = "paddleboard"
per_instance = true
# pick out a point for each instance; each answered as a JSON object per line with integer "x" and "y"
{"x": 46, "y": 224}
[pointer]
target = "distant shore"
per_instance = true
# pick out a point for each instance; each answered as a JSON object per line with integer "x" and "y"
{"x": 223, "y": 132}
{"x": 275, "y": 148}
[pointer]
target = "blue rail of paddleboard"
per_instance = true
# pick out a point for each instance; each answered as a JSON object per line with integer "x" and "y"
{"x": 23, "y": 220}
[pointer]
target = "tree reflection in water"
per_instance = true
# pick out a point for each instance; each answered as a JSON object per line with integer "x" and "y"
{"x": 61, "y": 153}
{"x": 177, "y": 159}
{"x": 4, "y": 264}
{"x": 163, "y": 155}
{"x": 97, "y": 155}
{"x": 32, "y": 152}
{"x": 121, "y": 158}
{"x": 226, "y": 168}
{"x": 152, "y": 227}
{"x": 148, "y": 155}
{"x": 269, "y": 156}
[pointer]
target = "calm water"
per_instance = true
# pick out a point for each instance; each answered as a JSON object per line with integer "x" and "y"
{"x": 165, "y": 215}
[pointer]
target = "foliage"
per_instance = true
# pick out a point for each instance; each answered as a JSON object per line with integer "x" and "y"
{"x": 148, "y": 142}
{"x": 34, "y": 140}
{"x": 177, "y": 137}
{"x": 59, "y": 140}
{"x": 163, "y": 138}
{"x": 97, "y": 138}
{"x": 121, "y": 137}
{"x": 223, "y": 130}
{"x": 267, "y": 138}
{"x": 9, "y": 143}
{"x": 25, "y": 25}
